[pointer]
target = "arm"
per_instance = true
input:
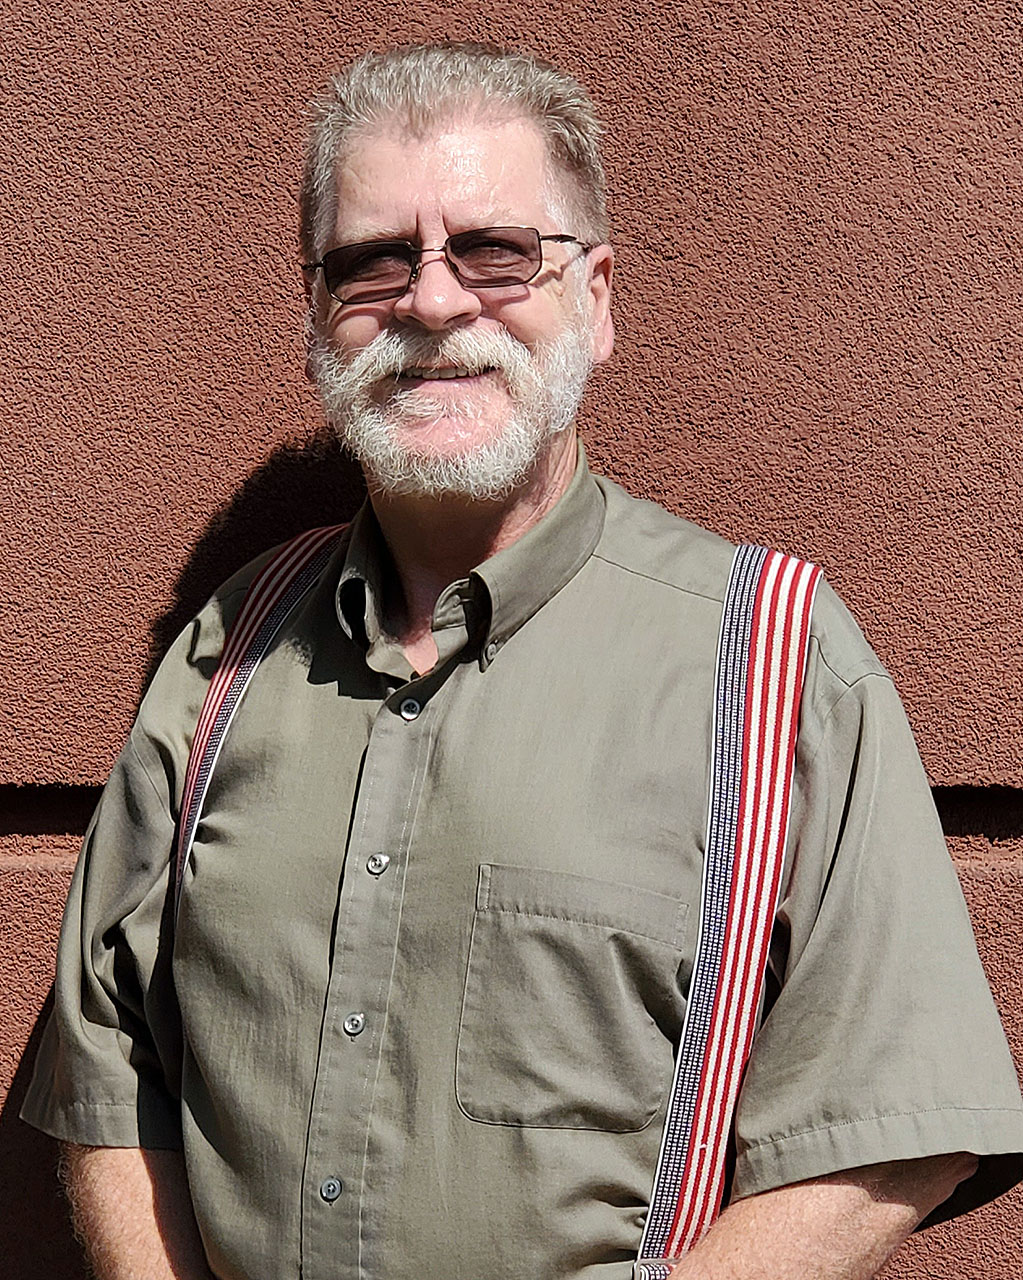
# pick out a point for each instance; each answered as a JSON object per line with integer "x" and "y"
{"x": 132, "y": 1212}
{"x": 841, "y": 1227}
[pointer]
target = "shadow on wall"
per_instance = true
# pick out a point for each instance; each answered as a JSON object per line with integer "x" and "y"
{"x": 298, "y": 487}
{"x": 36, "y": 1233}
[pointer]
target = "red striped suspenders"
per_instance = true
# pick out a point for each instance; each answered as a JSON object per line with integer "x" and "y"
{"x": 761, "y": 664}
{"x": 272, "y": 594}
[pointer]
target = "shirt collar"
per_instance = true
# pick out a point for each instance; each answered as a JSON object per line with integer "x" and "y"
{"x": 521, "y": 579}
{"x": 360, "y": 587}
{"x": 503, "y": 592}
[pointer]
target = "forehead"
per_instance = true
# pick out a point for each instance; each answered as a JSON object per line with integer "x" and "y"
{"x": 461, "y": 175}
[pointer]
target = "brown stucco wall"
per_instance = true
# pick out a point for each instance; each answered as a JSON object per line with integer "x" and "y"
{"x": 819, "y": 284}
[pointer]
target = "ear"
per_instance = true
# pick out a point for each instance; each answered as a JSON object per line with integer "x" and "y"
{"x": 601, "y": 262}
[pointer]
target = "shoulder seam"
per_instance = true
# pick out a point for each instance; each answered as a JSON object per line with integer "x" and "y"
{"x": 663, "y": 582}
{"x": 848, "y": 687}
{"x": 849, "y": 681}
{"x": 149, "y": 777}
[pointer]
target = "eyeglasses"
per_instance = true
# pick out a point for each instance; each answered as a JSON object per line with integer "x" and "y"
{"x": 486, "y": 258}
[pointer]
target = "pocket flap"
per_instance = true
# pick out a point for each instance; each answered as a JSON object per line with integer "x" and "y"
{"x": 560, "y": 895}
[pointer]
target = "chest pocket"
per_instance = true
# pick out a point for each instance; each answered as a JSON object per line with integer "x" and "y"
{"x": 572, "y": 1003}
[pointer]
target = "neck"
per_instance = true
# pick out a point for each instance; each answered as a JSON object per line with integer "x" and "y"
{"x": 436, "y": 541}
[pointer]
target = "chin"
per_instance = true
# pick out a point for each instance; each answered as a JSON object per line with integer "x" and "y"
{"x": 487, "y": 469}
{"x": 448, "y": 435}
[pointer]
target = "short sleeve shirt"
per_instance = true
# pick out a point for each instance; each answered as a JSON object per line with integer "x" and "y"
{"x": 418, "y": 1011}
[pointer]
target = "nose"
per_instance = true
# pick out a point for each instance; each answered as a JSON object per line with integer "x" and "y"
{"x": 436, "y": 299}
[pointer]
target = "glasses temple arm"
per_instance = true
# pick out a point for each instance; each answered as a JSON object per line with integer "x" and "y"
{"x": 569, "y": 240}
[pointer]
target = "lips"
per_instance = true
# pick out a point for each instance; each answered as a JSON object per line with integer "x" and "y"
{"x": 442, "y": 374}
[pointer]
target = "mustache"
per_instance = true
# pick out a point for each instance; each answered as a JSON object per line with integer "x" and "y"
{"x": 393, "y": 353}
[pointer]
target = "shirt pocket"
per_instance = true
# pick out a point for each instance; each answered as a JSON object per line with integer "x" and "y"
{"x": 572, "y": 1003}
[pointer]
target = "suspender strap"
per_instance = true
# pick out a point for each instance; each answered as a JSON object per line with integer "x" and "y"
{"x": 272, "y": 595}
{"x": 761, "y": 665}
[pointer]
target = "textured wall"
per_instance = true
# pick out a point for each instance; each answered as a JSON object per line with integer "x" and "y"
{"x": 819, "y": 284}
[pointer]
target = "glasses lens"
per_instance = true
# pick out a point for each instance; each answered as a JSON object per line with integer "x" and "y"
{"x": 368, "y": 272}
{"x": 494, "y": 256}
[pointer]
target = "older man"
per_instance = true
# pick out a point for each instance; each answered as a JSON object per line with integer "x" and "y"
{"x": 437, "y": 926}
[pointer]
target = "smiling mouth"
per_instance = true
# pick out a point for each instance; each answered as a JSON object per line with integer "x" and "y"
{"x": 441, "y": 375}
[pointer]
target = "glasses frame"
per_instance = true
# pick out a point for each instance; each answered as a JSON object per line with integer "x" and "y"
{"x": 416, "y": 262}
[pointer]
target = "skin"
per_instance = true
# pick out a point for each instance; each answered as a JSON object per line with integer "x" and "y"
{"x": 842, "y": 1227}
{"x": 132, "y": 1212}
{"x": 473, "y": 174}
{"x": 132, "y": 1208}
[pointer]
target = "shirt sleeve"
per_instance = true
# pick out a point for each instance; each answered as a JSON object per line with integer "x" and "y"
{"x": 109, "y": 1059}
{"x": 881, "y": 1041}
{"x": 109, "y": 1064}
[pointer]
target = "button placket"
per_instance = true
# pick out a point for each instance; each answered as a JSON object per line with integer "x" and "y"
{"x": 368, "y": 919}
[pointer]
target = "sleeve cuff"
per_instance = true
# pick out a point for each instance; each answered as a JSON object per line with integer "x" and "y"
{"x": 995, "y": 1134}
{"x": 109, "y": 1124}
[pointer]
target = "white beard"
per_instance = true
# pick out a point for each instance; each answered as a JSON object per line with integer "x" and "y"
{"x": 545, "y": 386}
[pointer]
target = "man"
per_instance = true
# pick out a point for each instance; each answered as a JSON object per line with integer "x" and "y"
{"x": 437, "y": 926}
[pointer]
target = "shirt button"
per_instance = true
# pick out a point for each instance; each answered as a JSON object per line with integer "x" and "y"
{"x": 354, "y": 1023}
{"x": 377, "y": 863}
{"x": 409, "y": 709}
{"x": 330, "y": 1189}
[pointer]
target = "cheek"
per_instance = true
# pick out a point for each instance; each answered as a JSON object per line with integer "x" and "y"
{"x": 537, "y": 318}
{"x": 353, "y": 330}
{"x": 529, "y": 325}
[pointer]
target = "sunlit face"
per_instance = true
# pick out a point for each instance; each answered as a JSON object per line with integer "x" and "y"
{"x": 451, "y": 389}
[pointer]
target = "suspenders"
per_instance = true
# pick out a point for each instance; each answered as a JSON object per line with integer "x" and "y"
{"x": 761, "y": 664}
{"x": 272, "y": 594}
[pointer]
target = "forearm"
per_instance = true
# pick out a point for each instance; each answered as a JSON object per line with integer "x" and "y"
{"x": 133, "y": 1214}
{"x": 842, "y": 1227}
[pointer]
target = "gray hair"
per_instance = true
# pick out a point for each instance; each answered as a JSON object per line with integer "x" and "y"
{"x": 419, "y": 86}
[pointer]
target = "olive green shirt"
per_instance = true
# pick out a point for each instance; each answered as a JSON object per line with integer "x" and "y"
{"x": 436, "y": 932}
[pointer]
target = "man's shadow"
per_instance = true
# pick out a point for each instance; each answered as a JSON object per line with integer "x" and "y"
{"x": 298, "y": 487}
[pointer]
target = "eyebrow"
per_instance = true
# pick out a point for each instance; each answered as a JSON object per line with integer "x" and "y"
{"x": 366, "y": 236}
{"x": 370, "y": 236}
